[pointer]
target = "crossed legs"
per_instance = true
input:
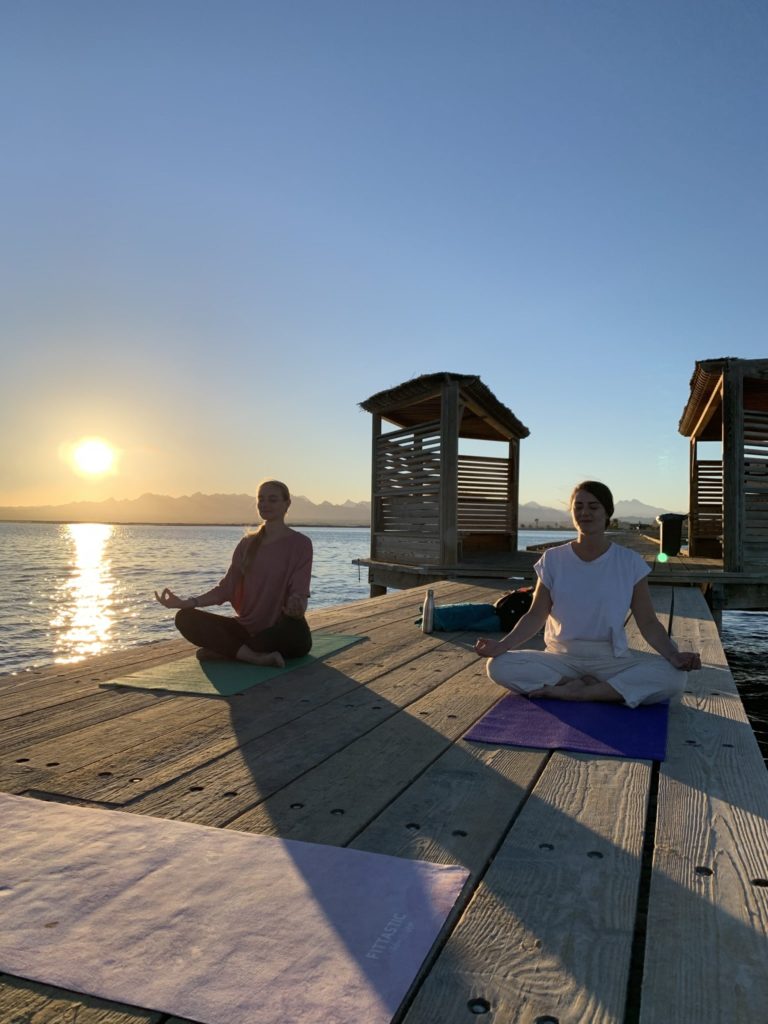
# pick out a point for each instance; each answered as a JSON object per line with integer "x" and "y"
{"x": 226, "y": 637}
{"x": 633, "y": 678}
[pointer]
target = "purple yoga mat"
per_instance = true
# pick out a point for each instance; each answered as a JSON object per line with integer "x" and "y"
{"x": 588, "y": 727}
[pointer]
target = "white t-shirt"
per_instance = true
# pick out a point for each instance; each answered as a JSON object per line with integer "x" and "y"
{"x": 590, "y": 600}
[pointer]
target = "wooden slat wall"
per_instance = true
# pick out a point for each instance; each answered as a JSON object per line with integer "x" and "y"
{"x": 707, "y": 507}
{"x": 483, "y": 497}
{"x": 755, "y": 489}
{"x": 406, "y": 495}
{"x": 426, "y": 495}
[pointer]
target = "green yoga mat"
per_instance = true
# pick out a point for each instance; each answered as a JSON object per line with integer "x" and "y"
{"x": 223, "y": 678}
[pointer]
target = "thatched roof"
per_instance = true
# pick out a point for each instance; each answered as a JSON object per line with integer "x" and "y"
{"x": 706, "y": 375}
{"x": 418, "y": 401}
{"x": 704, "y": 382}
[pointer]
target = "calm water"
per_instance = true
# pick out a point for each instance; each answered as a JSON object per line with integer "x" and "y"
{"x": 69, "y": 591}
{"x": 745, "y": 639}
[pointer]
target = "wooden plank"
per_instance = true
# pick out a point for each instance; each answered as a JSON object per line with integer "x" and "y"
{"x": 217, "y": 791}
{"x": 33, "y": 765}
{"x": 46, "y": 688}
{"x": 334, "y": 801}
{"x": 459, "y": 809}
{"x": 146, "y": 760}
{"x": 27, "y": 1002}
{"x": 48, "y": 723}
{"x": 708, "y": 909}
{"x": 408, "y": 550}
{"x": 483, "y": 487}
{"x": 421, "y": 453}
{"x": 548, "y": 933}
{"x": 414, "y": 521}
{"x": 420, "y": 430}
{"x": 408, "y": 464}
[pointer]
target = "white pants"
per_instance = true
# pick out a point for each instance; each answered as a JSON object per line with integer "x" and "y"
{"x": 638, "y": 677}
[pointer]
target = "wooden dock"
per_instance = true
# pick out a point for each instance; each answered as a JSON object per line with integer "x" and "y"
{"x": 725, "y": 590}
{"x": 602, "y": 889}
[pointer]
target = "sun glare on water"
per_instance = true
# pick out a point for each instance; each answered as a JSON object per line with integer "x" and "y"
{"x": 84, "y": 602}
{"x": 93, "y": 457}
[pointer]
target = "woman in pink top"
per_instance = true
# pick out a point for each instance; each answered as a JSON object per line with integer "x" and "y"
{"x": 268, "y": 586}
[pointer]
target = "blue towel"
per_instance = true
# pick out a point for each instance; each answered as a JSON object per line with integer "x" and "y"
{"x": 450, "y": 617}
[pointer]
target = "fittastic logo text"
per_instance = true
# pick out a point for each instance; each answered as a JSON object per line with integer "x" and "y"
{"x": 387, "y": 940}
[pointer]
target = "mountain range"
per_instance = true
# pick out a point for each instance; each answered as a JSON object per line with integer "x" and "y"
{"x": 627, "y": 511}
{"x": 240, "y": 509}
{"x": 216, "y": 509}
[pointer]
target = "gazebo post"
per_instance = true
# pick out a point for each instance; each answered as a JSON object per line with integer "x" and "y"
{"x": 733, "y": 468}
{"x": 449, "y": 471}
{"x": 376, "y": 589}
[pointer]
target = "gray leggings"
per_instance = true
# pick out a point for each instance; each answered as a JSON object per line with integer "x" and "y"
{"x": 226, "y": 635}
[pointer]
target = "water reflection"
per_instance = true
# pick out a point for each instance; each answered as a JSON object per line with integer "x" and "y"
{"x": 84, "y": 615}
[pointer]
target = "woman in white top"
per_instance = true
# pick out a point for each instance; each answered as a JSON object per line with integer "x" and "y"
{"x": 584, "y": 591}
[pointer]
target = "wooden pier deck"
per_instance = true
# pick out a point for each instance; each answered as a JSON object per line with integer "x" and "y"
{"x": 725, "y": 590}
{"x": 601, "y": 889}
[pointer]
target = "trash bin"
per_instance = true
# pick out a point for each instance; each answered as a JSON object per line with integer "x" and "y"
{"x": 671, "y": 532}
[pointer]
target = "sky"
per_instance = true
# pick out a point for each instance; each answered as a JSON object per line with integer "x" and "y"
{"x": 225, "y": 224}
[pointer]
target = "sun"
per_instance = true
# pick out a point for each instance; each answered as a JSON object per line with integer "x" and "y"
{"x": 93, "y": 456}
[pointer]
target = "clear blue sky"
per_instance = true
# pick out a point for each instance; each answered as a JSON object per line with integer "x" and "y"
{"x": 224, "y": 224}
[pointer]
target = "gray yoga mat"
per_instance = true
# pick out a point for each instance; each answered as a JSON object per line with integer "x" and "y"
{"x": 219, "y": 926}
{"x": 223, "y": 678}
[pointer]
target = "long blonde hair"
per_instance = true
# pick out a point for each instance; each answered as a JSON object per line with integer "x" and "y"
{"x": 257, "y": 537}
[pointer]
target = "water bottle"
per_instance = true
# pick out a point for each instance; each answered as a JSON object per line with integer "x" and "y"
{"x": 428, "y": 612}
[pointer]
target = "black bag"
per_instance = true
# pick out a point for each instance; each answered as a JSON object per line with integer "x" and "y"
{"x": 512, "y": 606}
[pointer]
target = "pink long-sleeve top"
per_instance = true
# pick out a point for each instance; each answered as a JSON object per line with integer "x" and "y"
{"x": 276, "y": 571}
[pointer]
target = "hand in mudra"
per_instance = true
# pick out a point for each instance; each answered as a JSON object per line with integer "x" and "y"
{"x": 686, "y": 661}
{"x": 168, "y": 599}
{"x": 488, "y": 648}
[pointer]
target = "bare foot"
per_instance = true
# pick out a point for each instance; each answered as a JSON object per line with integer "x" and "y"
{"x": 582, "y": 688}
{"x": 206, "y": 654}
{"x": 273, "y": 658}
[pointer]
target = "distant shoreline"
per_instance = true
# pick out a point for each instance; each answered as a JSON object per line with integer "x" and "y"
{"x": 144, "y": 522}
{"x": 315, "y": 526}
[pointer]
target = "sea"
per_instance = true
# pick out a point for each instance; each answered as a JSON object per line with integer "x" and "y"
{"x": 71, "y": 590}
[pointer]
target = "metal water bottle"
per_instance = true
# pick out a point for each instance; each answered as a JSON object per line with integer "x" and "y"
{"x": 428, "y": 612}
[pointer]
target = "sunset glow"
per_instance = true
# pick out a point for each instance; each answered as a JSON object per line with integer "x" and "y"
{"x": 93, "y": 457}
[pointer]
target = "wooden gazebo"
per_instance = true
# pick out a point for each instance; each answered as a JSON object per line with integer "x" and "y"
{"x": 728, "y": 511}
{"x": 432, "y": 507}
